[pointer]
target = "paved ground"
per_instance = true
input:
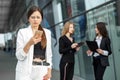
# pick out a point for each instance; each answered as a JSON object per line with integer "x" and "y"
{"x": 7, "y": 67}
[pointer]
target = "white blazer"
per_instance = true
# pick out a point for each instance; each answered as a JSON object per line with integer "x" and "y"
{"x": 24, "y": 63}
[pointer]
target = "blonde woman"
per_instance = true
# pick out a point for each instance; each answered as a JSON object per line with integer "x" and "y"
{"x": 67, "y": 49}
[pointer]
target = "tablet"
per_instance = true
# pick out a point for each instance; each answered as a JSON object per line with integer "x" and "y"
{"x": 80, "y": 44}
{"x": 92, "y": 45}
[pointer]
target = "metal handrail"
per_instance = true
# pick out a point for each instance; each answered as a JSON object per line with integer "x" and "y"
{"x": 84, "y": 12}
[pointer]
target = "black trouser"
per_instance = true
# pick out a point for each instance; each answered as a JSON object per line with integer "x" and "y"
{"x": 98, "y": 69}
{"x": 66, "y": 71}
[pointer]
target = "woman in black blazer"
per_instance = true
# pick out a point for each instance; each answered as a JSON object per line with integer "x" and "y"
{"x": 100, "y": 58}
{"x": 67, "y": 49}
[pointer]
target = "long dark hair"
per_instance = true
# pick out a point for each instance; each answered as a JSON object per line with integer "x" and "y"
{"x": 31, "y": 10}
{"x": 101, "y": 26}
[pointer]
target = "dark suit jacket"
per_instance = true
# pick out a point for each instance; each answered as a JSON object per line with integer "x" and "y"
{"x": 66, "y": 50}
{"x": 105, "y": 45}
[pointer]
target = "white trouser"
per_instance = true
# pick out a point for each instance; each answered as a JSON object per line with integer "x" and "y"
{"x": 37, "y": 73}
{"x": 22, "y": 76}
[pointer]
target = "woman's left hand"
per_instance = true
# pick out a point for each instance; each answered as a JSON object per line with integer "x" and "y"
{"x": 47, "y": 76}
{"x": 100, "y": 51}
{"x": 77, "y": 48}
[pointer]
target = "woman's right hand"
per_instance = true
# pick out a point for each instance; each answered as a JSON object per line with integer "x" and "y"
{"x": 74, "y": 45}
{"x": 32, "y": 41}
{"x": 35, "y": 40}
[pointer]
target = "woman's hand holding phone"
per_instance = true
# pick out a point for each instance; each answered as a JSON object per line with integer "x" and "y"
{"x": 38, "y": 34}
{"x": 37, "y": 37}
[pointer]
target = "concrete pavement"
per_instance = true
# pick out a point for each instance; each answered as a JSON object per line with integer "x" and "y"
{"x": 7, "y": 67}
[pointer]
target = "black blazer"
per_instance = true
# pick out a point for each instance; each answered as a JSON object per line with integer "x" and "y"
{"x": 105, "y": 45}
{"x": 66, "y": 50}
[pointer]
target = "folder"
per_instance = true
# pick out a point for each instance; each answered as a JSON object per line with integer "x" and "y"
{"x": 92, "y": 45}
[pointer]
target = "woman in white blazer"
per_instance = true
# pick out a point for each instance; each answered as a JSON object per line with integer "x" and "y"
{"x": 33, "y": 49}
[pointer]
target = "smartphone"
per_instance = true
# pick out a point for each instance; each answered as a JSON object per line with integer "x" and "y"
{"x": 38, "y": 33}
